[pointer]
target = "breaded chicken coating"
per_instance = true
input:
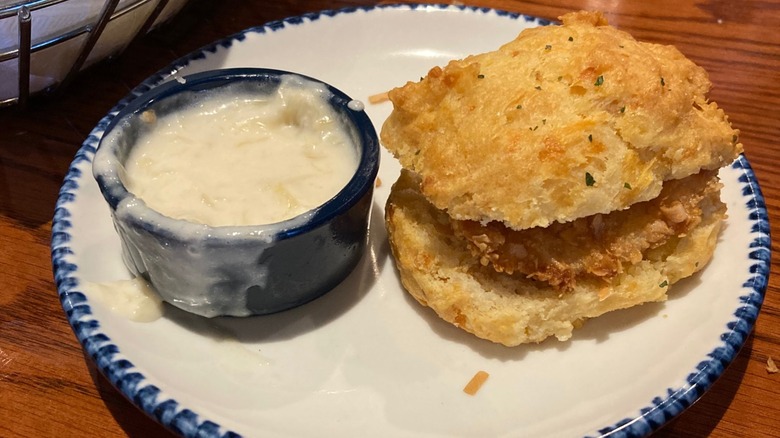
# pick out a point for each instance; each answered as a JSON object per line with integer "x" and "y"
{"x": 599, "y": 246}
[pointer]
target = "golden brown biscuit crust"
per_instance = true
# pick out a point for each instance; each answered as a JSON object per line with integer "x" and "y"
{"x": 556, "y": 124}
{"x": 439, "y": 272}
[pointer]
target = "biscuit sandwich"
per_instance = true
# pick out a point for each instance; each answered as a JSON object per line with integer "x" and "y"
{"x": 569, "y": 173}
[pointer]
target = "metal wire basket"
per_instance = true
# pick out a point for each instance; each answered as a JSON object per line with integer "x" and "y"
{"x": 45, "y": 43}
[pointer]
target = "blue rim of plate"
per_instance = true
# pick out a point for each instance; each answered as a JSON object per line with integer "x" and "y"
{"x": 186, "y": 422}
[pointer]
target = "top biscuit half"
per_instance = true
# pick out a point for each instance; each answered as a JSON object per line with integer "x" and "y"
{"x": 561, "y": 123}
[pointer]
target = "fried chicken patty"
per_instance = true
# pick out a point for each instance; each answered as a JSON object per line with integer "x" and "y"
{"x": 600, "y": 245}
{"x": 554, "y": 125}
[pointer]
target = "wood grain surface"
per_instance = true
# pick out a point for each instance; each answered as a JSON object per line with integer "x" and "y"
{"x": 49, "y": 389}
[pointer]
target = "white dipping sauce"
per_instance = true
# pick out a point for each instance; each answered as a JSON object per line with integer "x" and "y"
{"x": 239, "y": 159}
{"x": 133, "y": 299}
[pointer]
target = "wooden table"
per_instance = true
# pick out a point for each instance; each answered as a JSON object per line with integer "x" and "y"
{"x": 47, "y": 388}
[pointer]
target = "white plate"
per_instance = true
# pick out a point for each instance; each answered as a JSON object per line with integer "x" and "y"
{"x": 366, "y": 360}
